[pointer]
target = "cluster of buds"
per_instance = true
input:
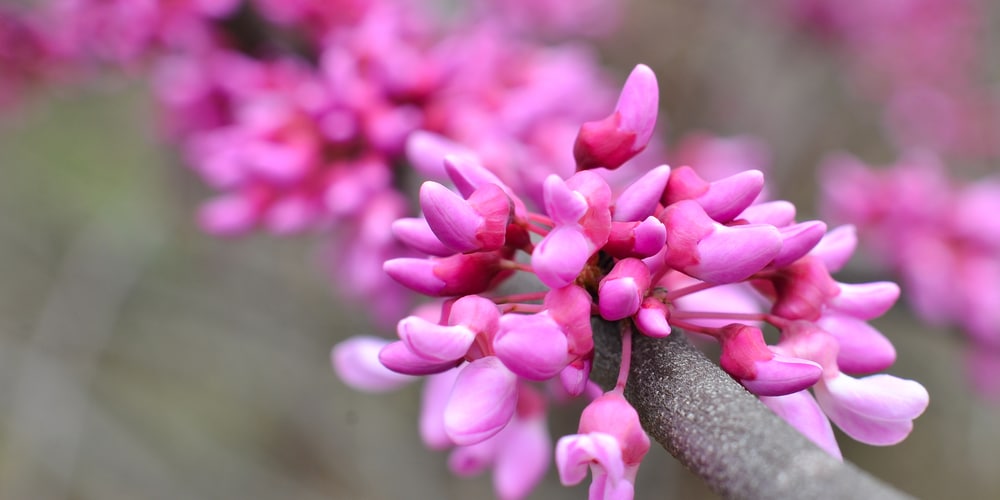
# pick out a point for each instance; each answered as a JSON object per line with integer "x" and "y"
{"x": 670, "y": 250}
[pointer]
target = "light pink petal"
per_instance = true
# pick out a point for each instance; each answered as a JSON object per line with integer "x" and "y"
{"x": 652, "y": 318}
{"x": 482, "y": 401}
{"x": 866, "y": 300}
{"x": 560, "y": 256}
{"x": 575, "y": 453}
{"x": 416, "y": 274}
{"x": 836, "y": 248}
{"x": 523, "y": 458}
{"x": 638, "y": 104}
{"x": 640, "y": 199}
{"x": 416, "y": 234}
{"x": 356, "y": 362}
{"x": 797, "y": 240}
{"x": 434, "y": 399}
{"x": 863, "y": 349}
{"x": 433, "y": 342}
{"x": 877, "y": 410}
{"x": 531, "y": 345}
{"x": 426, "y": 152}
{"x": 777, "y": 213}
{"x": 563, "y": 205}
{"x": 727, "y": 197}
{"x": 802, "y": 412}
{"x": 479, "y": 314}
{"x": 650, "y": 236}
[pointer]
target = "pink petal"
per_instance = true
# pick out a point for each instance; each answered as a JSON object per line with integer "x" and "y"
{"x": 479, "y": 314}
{"x": 451, "y": 218}
{"x": 482, "y": 401}
{"x": 575, "y": 453}
{"x": 523, "y": 458}
{"x": 783, "y": 375}
{"x": 426, "y": 152}
{"x": 356, "y": 362}
{"x": 434, "y": 399}
{"x": 640, "y": 199}
{"x": 802, "y": 412}
{"x": 397, "y": 357}
{"x": 416, "y": 234}
{"x": 863, "y": 349}
{"x": 866, "y": 300}
{"x": 638, "y": 104}
{"x": 877, "y": 410}
{"x": 727, "y": 197}
{"x": 563, "y": 205}
{"x": 433, "y": 342}
{"x": 731, "y": 254}
{"x": 531, "y": 345}
{"x": 778, "y": 213}
{"x": 560, "y": 256}
{"x": 836, "y": 248}
{"x": 652, "y": 318}
{"x": 797, "y": 240}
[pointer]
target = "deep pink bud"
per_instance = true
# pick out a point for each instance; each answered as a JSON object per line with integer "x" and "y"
{"x": 636, "y": 239}
{"x": 482, "y": 401}
{"x": 747, "y": 358}
{"x": 462, "y": 274}
{"x": 803, "y": 289}
{"x": 612, "y": 414}
{"x": 621, "y": 292}
{"x": 707, "y": 250}
{"x": 611, "y": 142}
{"x": 476, "y": 224}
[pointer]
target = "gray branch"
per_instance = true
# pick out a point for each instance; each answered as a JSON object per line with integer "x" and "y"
{"x": 719, "y": 430}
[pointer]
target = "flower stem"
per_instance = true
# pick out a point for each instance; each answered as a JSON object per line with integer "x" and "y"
{"x": 626, "y": 357}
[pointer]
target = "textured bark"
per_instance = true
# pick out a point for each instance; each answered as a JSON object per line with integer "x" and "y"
{"x": 719, "y": 430}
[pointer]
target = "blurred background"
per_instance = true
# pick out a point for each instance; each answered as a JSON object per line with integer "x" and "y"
{"x": 140, "y": 358}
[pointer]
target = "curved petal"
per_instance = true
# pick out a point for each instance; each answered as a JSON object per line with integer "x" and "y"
{"x": 482, "y": 401}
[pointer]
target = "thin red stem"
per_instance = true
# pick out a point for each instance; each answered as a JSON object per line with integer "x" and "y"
{"x": 688, "y": 290}
{"x": 519, "y": 297}
{"x": 521, "y": 308}
{"x": 626, "y": 356}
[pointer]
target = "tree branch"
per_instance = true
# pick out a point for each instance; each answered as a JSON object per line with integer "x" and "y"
{"x": 720, "y": 431}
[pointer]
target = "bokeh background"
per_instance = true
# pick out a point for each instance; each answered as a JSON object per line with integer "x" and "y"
{"x": 140, "y": 358}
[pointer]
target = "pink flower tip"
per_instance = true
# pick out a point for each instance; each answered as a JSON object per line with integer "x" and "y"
{"x": 877, "y": 410}
{"x": 482, "y": 401}
{"x": 356, "y": 362}
{"x": 611, "y": 142}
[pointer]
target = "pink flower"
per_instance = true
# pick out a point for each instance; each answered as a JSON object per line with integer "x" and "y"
{"x": 614, "y": 140}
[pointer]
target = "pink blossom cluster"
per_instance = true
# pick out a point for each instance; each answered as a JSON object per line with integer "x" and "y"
{"x": 669, "y": 250}
{"x": 27, "y": 55}
{"x": 924, "y": 59}
{"x": 940, "y": 237}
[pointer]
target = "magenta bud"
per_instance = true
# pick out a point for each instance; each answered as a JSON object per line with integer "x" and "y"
{"x": 797, "y": 240}
{"x": 416, "y": 234}
{"x": 612, "y": 414}
{"x": 560, "y": 257}
{"x": 564, "y": 205}
{"x": 621, "y": 292}
{"x": 640, "y": 199}
{"x": 782, "y": 375}
{"x": 636, "y": 239}
{"x": 482, "y": 401}
{"x": 611, "y": 142}
{"x": 461, "y": 274}
{"x": 531, "y": 345}
{"x": 452, "y": 219}
{"x": 731, "y": 254}
{"x": 575, "y": 376}
{"x": 653, "y": 318}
